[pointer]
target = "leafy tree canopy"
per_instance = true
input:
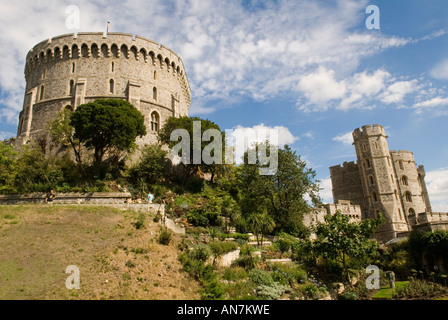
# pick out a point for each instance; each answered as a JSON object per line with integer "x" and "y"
{"x": 340, "y": 239}
{"x": 281, "y": 193}
{"x": 107, "y": 124}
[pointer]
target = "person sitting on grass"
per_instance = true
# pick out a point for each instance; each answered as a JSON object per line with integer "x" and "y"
{"x": 50, "y": 197}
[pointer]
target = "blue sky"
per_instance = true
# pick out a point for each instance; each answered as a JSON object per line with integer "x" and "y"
{"x": 310, "y": 68}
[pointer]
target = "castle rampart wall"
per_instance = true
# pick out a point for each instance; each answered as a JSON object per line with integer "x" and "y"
{"x": 69, "y": 70}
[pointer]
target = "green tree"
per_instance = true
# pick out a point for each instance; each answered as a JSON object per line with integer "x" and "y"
{"x": 107, "y": 124}
{"x": 281, "y": 193}
{"x": 62, "y": 132}
{"x": 260, "y": 224}
{"x": 7, "y": 168}
{"x": 151, "y": 169}
{"x": 35, "y": 173}
{"x": 341, "y": 240}
{"x": 433, "y": 244}
{"x": 187, "y": 123}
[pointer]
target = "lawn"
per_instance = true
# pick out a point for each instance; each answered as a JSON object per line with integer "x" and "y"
{"x": 115, "y": 259}
{"x": 387, "y": 292}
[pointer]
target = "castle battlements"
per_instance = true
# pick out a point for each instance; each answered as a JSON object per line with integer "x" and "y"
{"x": 369, "y": 130}
{"x": 384, "y": 181}
{"x": 72, "y": 69}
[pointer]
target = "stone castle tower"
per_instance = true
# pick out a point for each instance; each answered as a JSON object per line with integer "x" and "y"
{"x": 69, "y": 70}
{"x": 382, "y": 181}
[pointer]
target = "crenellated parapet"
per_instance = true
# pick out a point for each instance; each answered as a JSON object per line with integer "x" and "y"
{"x": 369, "y": 131}
{"x": 71, "y": 69}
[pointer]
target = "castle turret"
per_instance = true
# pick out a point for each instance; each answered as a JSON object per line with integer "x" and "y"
{"x": 379, "y": 180}
{"x": 69, "y": 70}
{"x": 410, "y": 183}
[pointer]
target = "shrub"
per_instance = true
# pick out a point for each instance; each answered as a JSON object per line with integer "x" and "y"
{"x": 419, "y": 288}
{"x": 272, "y": 292}
{"x": 212, "y": 290}
{"x": 235, "y": 274}
{"x": 165, "y": 236}
{"x": 288, "y": 274}
{"x": 284, "y": 245}
{"x": 201, "y": 253}
{"x": 348, "y": 296}
{"x": 261, "y": 277}
{"x": 140, "y": 223}
{"x": 312, "y": 291}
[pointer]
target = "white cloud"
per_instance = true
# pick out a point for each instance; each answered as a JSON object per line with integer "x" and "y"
{"x": 346, "y": 138}
{"x": 434, "y": 102}
{"x": 326, "y": 193}
{"x": 321, "y": 86}
{"x": 440, "y": 71}
{"x": 227, "y": 48}
{"x": 245, "y": 137}
{"x": 396, "y": 92}
{"x": 437, "y": 185}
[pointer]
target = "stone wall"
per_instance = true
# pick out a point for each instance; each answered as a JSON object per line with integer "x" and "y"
{"x": 69, "y": 198}
{"x": 69, "y": 70}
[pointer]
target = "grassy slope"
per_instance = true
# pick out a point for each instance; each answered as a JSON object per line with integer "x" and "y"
{"x": 116, "y": 260}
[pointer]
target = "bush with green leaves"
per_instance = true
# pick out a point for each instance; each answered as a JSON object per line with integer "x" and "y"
{"x": 272, "y": 292}
{"x": 235, "y": 274}
{"x": 348, "y": 296}
{"x": 288, "y": 274}
{"x": 261, "y": 277}
{"x": 420, "y": 289}
{"x": 140, "y": 223}
{"x": 165, "y": 236}
{"x": 247, "y": 260}
{"x": 212, "y": 290}
{"x": 313, "y": 291}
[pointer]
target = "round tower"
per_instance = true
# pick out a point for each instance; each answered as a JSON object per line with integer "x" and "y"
{"x": 411, "y": 185}
{"x": 69, "y": 70}
{"x": 379, "y": 180}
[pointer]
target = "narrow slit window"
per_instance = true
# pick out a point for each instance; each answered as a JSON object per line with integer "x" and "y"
{"x": 111, "y": 86}
{"x": 154, "y": 93}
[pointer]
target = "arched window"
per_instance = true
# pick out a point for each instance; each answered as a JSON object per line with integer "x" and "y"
{"x": 399, "y": 213}
{"x": 104, "y": 50}
{"x": 41, "y": 96}
{"x": 374, "y": 196}
{"x": 155, "y": 75}
{"x": 404, "y": 180}
{"x": 155, "y": 121}
{"x": 94, "y": 50}
{"x": 408, "y": 196}
{"x": 114, "y": 50}
{"x": 154, "y": 93}
{"x": 411, "y": 212}
{"x": 75, "y": 54}
{"x": 371, "y": 179}
{"x": 396, "y": 194}
{"x": 73, "y": 67}
{"x": 84, "y": 51}
{"x": 111, "y": 86}
{"x": 400, "y": 163}
{"x": 112, "y": 67}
